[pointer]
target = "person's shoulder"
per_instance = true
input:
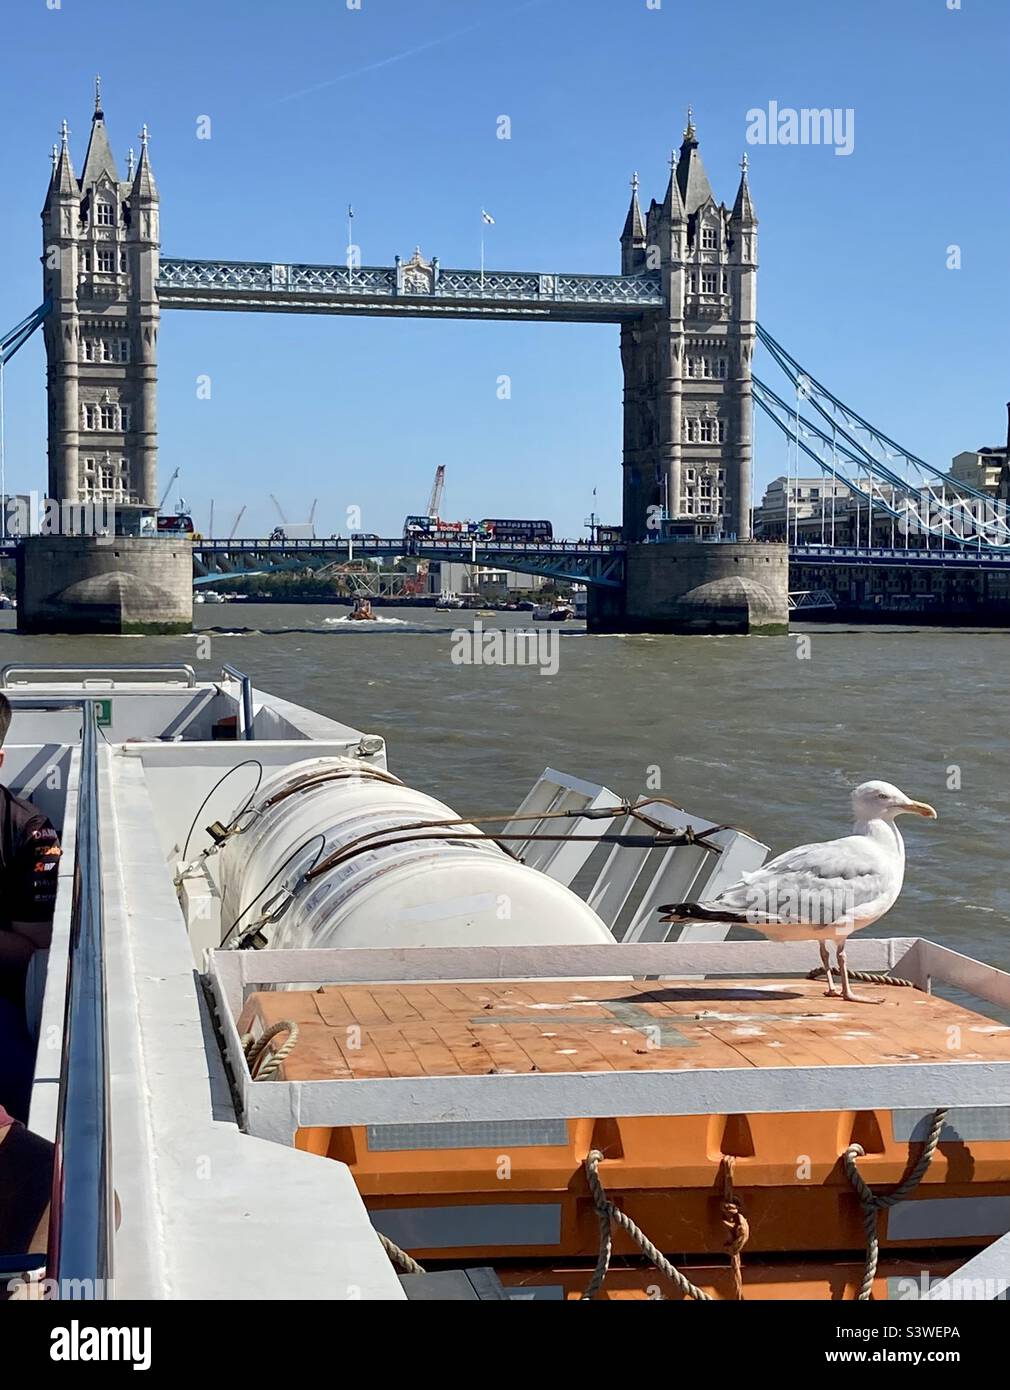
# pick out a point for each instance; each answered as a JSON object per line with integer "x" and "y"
{"x": 27, "y": 821}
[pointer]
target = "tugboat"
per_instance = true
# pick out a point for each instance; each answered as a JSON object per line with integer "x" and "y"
{"x": 362, "y": 612}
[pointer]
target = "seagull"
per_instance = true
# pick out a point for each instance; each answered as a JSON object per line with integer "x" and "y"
{"x": 823, "y": 892}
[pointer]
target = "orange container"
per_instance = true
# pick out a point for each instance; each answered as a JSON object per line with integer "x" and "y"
{"x": 518, "y": 1189}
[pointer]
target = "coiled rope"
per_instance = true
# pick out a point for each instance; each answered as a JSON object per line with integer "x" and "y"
{"x": 607, "y": 1214}
{"x": 254, "y": 1048}
{"x": 866, "y": 976}
{"x": 735, "y": 1222}
{"x": 874, "y": 1202}
{"x": 399, "y": 1257}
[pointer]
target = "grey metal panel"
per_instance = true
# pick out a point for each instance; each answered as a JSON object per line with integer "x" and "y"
{"x": 477, "y": 1134}
{"x": 943, "y": 1218}
{"x": 433, "y": 1228}
{"x": 540, "y": 1292}
{"x": 964, "y": 1122}
{"x": 454, "y": 1286}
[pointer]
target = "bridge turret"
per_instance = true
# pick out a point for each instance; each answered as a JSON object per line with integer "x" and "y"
{"x": 143, "y": 242}
{"x": 60, "y": 226}
{"x": 99, "y": 162}
{"x": 743, "y": 293}
{"x": 633, "y": 237}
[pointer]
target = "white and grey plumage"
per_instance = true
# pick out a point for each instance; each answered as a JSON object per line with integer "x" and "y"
{"x": 823, "y": 892}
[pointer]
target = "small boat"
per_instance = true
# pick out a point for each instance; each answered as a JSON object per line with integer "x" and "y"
{"x": 553, "y": 612}
{"x": 362, "y": 612}
{"x": 447, "y": 599}
{"x": 209, "y": 596}
{"x": 7, "y": 602}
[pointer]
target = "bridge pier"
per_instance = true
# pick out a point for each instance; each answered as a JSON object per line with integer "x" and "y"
{"x": 105, "y": 584}
{"x": 698, "y": 587}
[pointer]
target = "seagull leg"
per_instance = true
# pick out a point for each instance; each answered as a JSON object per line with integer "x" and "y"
{"x": 844, "y": 972}
{"x": 826, "y": 963}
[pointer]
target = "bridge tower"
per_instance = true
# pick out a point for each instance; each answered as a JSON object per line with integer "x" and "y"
{"x": 100, "y": 267}
{"x": 100, "y": 241}
{"x": 687, "y": 367}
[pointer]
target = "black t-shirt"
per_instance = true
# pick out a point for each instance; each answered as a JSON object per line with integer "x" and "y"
{"x": 29, "y": 862}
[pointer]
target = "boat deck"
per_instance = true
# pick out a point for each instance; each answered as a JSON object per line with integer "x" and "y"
{"x": 509, "y": 1027}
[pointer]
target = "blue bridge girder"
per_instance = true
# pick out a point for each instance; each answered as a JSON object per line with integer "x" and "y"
{"x": 582, "y": 562}
{"x": 406, "y": 291}
{"x": 961, "y": 558}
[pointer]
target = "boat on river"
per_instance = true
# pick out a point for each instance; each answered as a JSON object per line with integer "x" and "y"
{"x": 362, "y": 612}
{"x": 558, "y": 612}
{"x": 306, "y": 1049}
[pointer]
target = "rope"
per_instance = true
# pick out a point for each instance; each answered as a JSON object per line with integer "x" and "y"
{"x": 254, "y": 1048}
{"x": 607, "y": 1215}
{"x": 866, "y": 977}
{"x": 735, "y": 1222}
{"x": 663, "y": 836}
{"x": 874, "y": 1202}
{"x": 399, "y": 1257}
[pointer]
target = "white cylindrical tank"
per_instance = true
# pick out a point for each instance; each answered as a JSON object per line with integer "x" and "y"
{"x": 444, "y": 891}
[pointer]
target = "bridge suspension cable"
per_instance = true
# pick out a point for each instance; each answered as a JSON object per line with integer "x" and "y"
{"x": 11, "y": 343}
{"x": 924, "y": 498}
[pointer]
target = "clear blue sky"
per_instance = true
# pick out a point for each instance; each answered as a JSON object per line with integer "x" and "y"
{"x": 393, "y": 108}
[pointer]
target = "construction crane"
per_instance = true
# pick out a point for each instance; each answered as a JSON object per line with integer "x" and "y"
{"x": 168, "y": 489}
{"x": 284, "y": 520}
{"x": 231, "y": 533}
{"x": 312, "y": 510}
{"x": 434, "y": 501}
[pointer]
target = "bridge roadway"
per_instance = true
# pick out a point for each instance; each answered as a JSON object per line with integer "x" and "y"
{"x": 584, "y": 562}
{"x": 412, "y": 289}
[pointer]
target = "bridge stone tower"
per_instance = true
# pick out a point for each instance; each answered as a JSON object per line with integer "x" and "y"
{"x": 100, "y": 242}
{"x": 687, "y": 368}
{"x": 100, "y": 270}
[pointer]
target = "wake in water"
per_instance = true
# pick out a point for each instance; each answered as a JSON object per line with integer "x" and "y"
{"x": 358, "y": 622}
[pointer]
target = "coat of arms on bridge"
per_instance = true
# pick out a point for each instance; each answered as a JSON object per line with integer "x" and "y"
{"x": 417, "y": 276}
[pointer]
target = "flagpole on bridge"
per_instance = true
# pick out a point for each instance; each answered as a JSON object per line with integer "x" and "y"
{"x": 486, "y": 220}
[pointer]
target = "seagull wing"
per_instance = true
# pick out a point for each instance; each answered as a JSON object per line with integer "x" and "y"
{"x": 821, "y": 885}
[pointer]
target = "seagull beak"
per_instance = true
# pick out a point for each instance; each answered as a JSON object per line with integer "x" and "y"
{"x": 920, "y": 808}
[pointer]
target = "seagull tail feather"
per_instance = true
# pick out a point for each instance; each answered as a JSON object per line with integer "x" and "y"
{"x": 700, "y": 912}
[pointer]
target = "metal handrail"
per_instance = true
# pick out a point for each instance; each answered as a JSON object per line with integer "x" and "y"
{"x": 248, "y": 730}
{"x": 81, "y": 1211}
{"x": 64, "y": 668}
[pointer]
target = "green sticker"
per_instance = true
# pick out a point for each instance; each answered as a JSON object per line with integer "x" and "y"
{"x": 104, "y": 713}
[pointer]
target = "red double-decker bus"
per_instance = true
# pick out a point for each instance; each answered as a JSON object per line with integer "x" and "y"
{"x": 504, "y": 529}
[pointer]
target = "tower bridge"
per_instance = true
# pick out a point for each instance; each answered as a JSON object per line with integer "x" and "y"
{"x": 683, "y": 301}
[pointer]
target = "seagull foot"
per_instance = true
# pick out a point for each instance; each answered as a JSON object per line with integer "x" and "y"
{"x": 851, "y": 998}
{"x": 833, "y": 993}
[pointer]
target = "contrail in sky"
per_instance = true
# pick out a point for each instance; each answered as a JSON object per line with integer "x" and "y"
{"x": 407, "y": 53}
